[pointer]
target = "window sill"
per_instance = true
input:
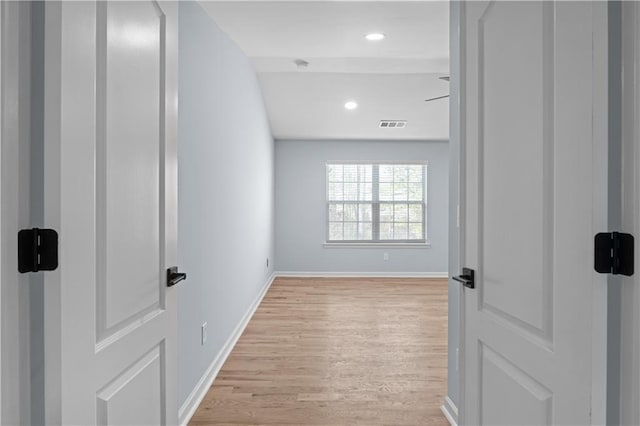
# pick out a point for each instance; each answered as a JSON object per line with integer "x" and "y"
{"x": 379, "y": 245}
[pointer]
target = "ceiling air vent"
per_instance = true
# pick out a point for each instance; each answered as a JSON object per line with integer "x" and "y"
{"x": 392, "y": 124}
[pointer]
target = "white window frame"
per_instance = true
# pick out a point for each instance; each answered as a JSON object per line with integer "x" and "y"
{"x": 375, "y": 202}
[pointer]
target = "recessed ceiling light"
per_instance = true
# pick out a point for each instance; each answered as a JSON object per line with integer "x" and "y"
{"x": 351, "y": 105}
{"x": 374, "y": 36}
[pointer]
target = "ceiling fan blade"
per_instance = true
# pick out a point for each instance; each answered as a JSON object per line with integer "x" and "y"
{"x": 436, "y": 98}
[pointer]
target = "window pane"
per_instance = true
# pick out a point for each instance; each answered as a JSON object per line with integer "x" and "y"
{"x": 400, "y": 231}
{"x": 401, "y": 213}
{"x": 386, "y": 212}
{"x": 364, "y": 231}
{"x": 415, "y": 173}
{"x": 350, "y": 212}
{"x": 386, "y": 173}
{"x": 415, "y": 213}
{"x": 335, "y": 172}
{"x": 415, "y": 192}
{"x": 386, "y": 231}
{"x": 365, "y": 192}
{"x": 350, "y": 231}
{"x": 335, "y": 231}
{"x": 351, "y": 191}
{"x": 335, "y": 192}
{"x": 386, "y": 192}
{"x": 335, "y": 212}
{"x": 365, "y": 173}
{"x": 364, "y": 213}
{"x": 350, "y": 173}
{"x": 415, "y": 231}
{"x": 400, "y": 192}
{"x": 400, "y": 173}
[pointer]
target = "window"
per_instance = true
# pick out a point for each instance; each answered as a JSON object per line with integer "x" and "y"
{"x": 376, "y": 203}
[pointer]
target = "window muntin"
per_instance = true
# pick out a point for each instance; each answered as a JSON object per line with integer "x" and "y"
{"x": 376, "y": 202}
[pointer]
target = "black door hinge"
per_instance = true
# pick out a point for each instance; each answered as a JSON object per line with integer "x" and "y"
{"x": 614, "y": 253}
{"x": 37, "y": 250}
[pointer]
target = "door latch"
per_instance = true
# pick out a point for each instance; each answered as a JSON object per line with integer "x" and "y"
{"x": 467, "y": 278}
{"x": 174, "y": 277}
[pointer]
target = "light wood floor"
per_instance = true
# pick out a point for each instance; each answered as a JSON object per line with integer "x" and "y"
{"x": 324, "y": 351}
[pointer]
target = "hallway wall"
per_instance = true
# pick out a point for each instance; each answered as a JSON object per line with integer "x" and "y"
{"x": 225, "y": 182}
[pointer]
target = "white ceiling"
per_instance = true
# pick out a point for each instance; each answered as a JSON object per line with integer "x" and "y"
{"x": 389, "y": 79}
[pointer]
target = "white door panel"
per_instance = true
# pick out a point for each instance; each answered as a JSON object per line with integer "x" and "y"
{"x": 128, "y": 168}
{"x": 111, "y": 120}
{"x": 141, "y": 383}
{"x": 529, "y": 108}
{"x": 516, "y": 164}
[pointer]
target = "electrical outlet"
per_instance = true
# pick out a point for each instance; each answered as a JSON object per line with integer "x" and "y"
{"x": 203, "y": 333}
{"x": 385, "y": 256}
{"x": 267, "y": 262}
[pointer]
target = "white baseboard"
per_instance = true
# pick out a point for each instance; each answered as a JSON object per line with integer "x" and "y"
{"x": 450, "y": 411}
{"x": 188, "y": 408}
{"x": 363, "y": 274}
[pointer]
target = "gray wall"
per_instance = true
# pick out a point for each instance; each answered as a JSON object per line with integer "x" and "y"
{"x": 454, "y": 175}
{"x": 225, "y": 191}
{"x": 301, "y": 214}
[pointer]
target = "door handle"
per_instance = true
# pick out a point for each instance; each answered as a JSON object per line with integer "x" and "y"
{"x": 174, "y": 277}
{"x": 467, "y": 278}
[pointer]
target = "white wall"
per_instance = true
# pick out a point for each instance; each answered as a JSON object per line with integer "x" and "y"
{"x": 226, "y": 191}
{"x": 301, "y": 211}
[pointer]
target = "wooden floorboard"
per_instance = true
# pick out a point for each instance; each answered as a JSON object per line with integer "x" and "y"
{"x": 337, "y": 351}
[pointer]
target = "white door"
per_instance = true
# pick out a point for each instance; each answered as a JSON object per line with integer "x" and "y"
{"x": 111, "y": 181}
{"x": 534, "y": 160}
